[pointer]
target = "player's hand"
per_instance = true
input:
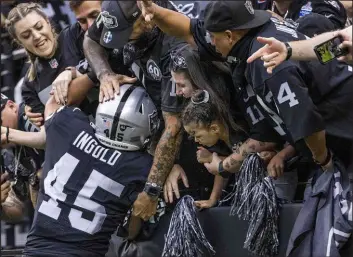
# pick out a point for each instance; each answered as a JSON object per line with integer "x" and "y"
{"x": 212, "y": 167}
{"x": 145, "y": 206}
{"x": 35, "y": 118}
{"x": 147, "y": 9}
{"x": 135, "y": 225}
{"x": 203, "y": 155}
{"x": 273, "y": 53}
{"x": 60, "y": 87}
{"x": 171, "y": 184}
{"x": 266, "y": 156}
{"x": 5, "y": 187}
{"x": 205, "y": 204}
{"x": 275, "y": 168}
{"x": 347, "y": 43}
{"x": 110, "y": 83}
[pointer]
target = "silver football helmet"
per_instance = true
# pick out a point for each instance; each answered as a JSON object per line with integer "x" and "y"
{"x": 127, "y": 122}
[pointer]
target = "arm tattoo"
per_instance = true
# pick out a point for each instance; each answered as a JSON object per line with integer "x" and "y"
{"x": 235, "y": 160}
{"x": 166, "y": 150}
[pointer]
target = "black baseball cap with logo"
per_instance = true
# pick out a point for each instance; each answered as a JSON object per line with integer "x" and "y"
{"x": 233, "y": 15}
{"x": 118, "y": 18}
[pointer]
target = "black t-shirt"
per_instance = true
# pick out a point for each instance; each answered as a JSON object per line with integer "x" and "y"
{"x": 35, "y": 93}
{"x": 332, "y": 9}
{"x": 86, "y": 189}
{"x": 152, "y": 68}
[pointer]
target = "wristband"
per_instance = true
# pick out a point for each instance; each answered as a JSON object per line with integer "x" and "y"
{"x": 152, "y": 189}
{"x": 289, "y": 51}
{"x": 73, "y": 72}
{"x": 92, "y": 76}
{"x": 222, "y": 172}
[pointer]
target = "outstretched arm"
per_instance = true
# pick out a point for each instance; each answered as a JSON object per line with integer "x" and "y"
{"x": 234, "y": 161}
{"x": 275, "y": 52}
{"x": 170, "y": 22}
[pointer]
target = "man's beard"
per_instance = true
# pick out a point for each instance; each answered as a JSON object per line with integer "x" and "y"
{"x": 135, "y": 50}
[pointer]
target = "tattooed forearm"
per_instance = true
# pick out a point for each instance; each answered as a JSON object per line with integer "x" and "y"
{"x": 96, "y": 56}
{"x": 12, "y": 208}
{"x": 233, "y": 162}
{"x": 166, "y": 150}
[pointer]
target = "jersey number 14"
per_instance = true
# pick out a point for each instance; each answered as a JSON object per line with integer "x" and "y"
{"x": 54, "y": 185}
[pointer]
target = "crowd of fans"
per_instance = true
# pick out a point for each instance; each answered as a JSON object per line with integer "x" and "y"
{"x": 139, "y": 103}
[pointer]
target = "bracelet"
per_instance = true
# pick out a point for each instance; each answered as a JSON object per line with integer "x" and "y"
{"x": 73, "y": 72}
{"x": 7, "y": 134}
{"x": 289, "y": 51}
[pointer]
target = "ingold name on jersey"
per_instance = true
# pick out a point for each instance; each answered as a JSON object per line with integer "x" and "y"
{"x": 89, "y": 145}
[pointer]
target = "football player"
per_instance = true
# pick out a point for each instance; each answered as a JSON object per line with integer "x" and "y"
{"x": 92, "y": 173}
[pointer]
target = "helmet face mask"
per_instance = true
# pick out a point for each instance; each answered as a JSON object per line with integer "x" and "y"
{"x": 129, "y": 121}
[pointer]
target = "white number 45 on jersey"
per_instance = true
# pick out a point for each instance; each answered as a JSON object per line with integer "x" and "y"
{"x": 54, "y": 187}
{"x": 285, "y": 94}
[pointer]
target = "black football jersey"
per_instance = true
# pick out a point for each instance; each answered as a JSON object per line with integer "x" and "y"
{"x": 302, "y": 97}
{"x": 86, "y": 189}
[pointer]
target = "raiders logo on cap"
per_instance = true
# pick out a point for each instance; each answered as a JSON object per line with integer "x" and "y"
{"x": 248, "y": 6}
{"x": 153, "y": 70}
{"x": 109, "y": 21}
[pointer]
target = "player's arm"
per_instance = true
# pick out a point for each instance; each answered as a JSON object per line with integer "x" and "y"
{"x": 166, "y": 149}
{"x": 170, "y": 22}
{"x": 12, "y": 209}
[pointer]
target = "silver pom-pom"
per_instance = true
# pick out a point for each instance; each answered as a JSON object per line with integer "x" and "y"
{"x": 185, "y": 236}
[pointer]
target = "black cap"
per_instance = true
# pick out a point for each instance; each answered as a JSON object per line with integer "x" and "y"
{"x": 118, "y": 18}
{"x": 314, "y": 24}
{"x": 233, "y": 15}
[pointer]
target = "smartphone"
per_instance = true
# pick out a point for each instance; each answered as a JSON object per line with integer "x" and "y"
{"x": 329, "y": 50}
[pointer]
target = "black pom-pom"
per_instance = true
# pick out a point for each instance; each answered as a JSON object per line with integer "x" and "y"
{"x": 255, "y": 200}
